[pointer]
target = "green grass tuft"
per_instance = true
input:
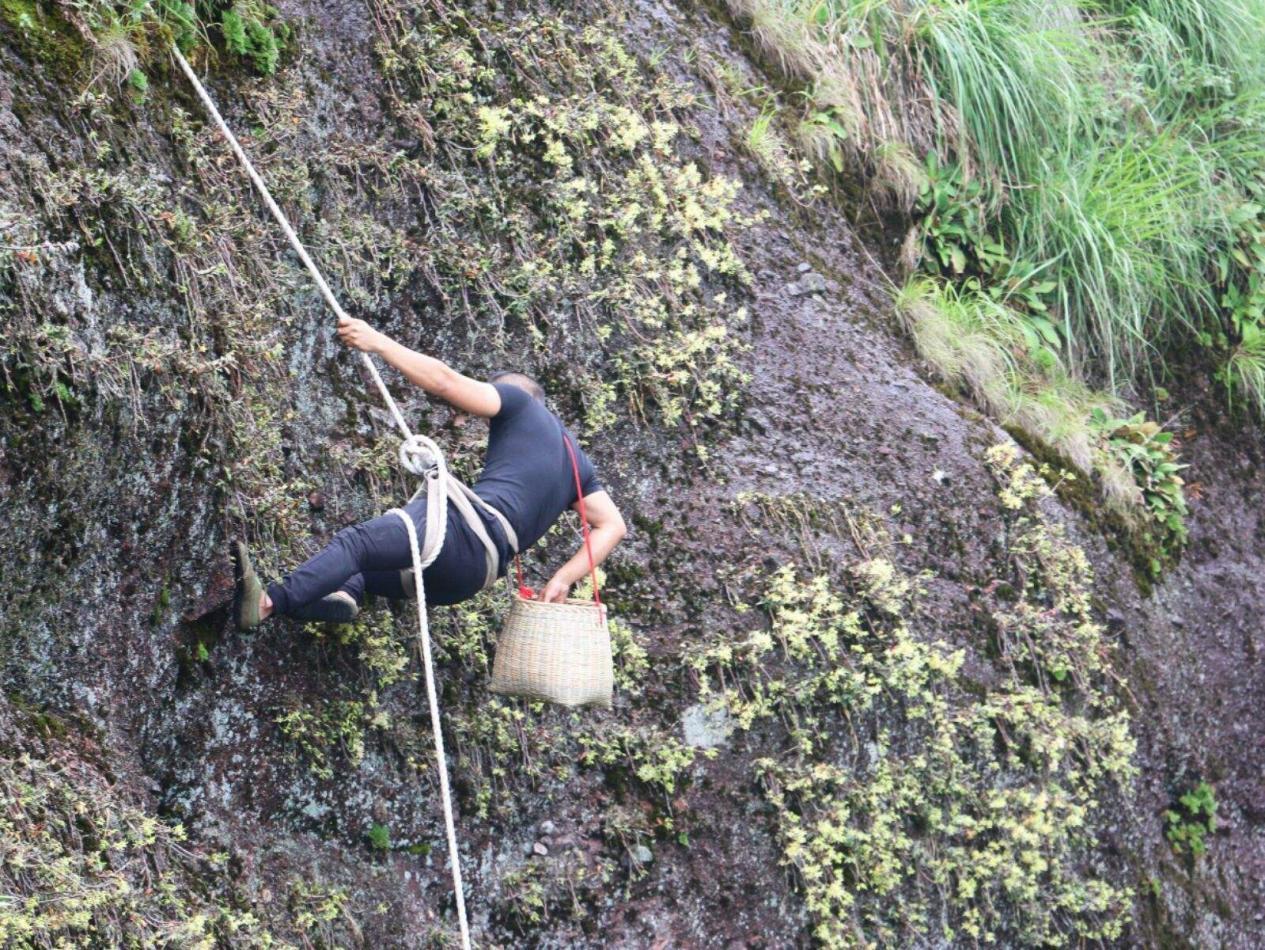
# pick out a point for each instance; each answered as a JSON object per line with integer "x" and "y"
{"x": 992, "y": 353}
{"x": 1104, "y": 145}
{"x": 1127, "y": 229}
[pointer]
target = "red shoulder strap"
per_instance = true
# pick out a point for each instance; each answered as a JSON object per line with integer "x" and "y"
{"x": 584, "y": 519}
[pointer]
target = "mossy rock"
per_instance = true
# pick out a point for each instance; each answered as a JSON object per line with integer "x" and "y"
{"x": 42, "y": 34}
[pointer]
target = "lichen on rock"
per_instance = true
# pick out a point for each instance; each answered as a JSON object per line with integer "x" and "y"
{"x": 910, "y": 659}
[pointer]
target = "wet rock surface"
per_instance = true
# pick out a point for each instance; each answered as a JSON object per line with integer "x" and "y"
{"x": 113, "y": 593}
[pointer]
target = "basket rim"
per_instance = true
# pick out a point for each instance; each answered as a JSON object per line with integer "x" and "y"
{"x": 569, "y": 602}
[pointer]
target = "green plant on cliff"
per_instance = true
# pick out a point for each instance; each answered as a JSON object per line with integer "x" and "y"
{"x": 987, "y": 329}
{"x": 136, "y": 227}
{"x": 333, "y": 728}
{"x": 775, "y": 155}
{"x": 1194, "y": 817}
{"x": 995, "y": 354}
{"x": 1242, "y": 273}
{"x": 315, "y": 907}
{"x": 251, "y": 30}
{"x": 957, "y": 816}
{"x": 960, "y": 238}
{"x": 1148, "y": 453}
{"x": 525, "y": 898}
{"x": 326, "y": 732}
{"x": 954, "y": 227}
{"x": 128, "y": 33}
{"x": 84, "y": 863}
{"x": 607, "y": 222}
{"x": 379, "y": 837}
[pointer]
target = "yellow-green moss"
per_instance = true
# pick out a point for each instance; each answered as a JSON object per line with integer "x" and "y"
{"x": 46, "y": 36}
{"x": 85, "y": 864}
{"x": 599, "y": 223}
{"x": 908, "y": 808}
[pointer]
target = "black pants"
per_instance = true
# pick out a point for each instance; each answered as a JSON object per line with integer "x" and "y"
{"x": 368, "y": 558}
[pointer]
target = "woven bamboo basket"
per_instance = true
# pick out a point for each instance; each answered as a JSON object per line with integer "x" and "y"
{"x": 559, "y": 652}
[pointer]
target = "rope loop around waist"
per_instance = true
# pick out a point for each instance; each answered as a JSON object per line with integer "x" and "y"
{"x": 419, "y": 455}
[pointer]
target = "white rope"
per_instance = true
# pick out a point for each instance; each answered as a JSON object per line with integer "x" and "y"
{"x": 289, "y": 232}
{"x": 423, "y": 637}
{"x": 416, "y": 453}
{"x": 436, "y": 525}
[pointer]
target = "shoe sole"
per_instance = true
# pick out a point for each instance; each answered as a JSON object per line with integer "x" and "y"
{"x": 247, "y": 591}
{"x": 338, "y": 607}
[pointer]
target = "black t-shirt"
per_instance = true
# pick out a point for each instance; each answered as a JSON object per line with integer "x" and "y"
{"x": 527, "y": 472}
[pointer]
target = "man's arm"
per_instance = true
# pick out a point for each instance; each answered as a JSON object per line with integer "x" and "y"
{"x": 606, "y": 529}
{"x": 435, "y": 376}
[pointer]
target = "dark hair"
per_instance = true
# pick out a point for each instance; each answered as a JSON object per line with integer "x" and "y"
{"x": 522, "y": 381}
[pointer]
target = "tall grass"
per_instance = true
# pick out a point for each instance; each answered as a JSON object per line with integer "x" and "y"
{"x": 1244, "y": 372}
{"x": 1015, "y": 72}
{"x": 1114, "y": 139}
{"x": 973, "y": 342}
{"x": 1190, "y": 53}
{"x": 1128, "y": 226}
{"x": 1233, "y": 131}
{"x": 995, "y": 80}
{"x": 863, "y": 100}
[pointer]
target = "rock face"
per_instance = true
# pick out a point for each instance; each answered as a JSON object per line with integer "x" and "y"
{"x": 706, "y": 728}
{"x": 526, "y": 187}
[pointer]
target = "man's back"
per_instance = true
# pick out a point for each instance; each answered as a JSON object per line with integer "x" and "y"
{"x": 527, "y": 472}
{"x": 527, "y": 477}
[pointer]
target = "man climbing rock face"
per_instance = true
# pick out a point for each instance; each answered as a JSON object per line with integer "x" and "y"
{"x": 527, "y": 477}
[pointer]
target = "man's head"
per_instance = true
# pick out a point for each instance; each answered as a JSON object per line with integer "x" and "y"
{"x": 522, "y": 381}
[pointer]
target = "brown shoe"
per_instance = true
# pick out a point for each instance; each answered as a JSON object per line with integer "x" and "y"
{"x": 249, "y": 593}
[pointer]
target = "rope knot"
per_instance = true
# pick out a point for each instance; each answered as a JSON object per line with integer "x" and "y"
{"x": 420, "y": 455}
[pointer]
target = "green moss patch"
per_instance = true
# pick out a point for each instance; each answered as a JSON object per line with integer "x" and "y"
{"x": 910, "y": 805}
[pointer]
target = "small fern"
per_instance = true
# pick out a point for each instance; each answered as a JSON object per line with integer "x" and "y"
{"x": 250, "y": 31}
{"x": 234, "y": 29}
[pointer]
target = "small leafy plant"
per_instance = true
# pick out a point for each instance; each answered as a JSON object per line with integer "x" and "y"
{"x": 953, "y": 226}
{"x": 1241, "y": 271}
{"x": 1194, "y": 818}
{"x": 824, "y": 128}
{"x": 252, "y": 31}
{"x": 958, "y": 236}
{"x": 1147, "y": 451}
{"x": 379, "y": 837}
